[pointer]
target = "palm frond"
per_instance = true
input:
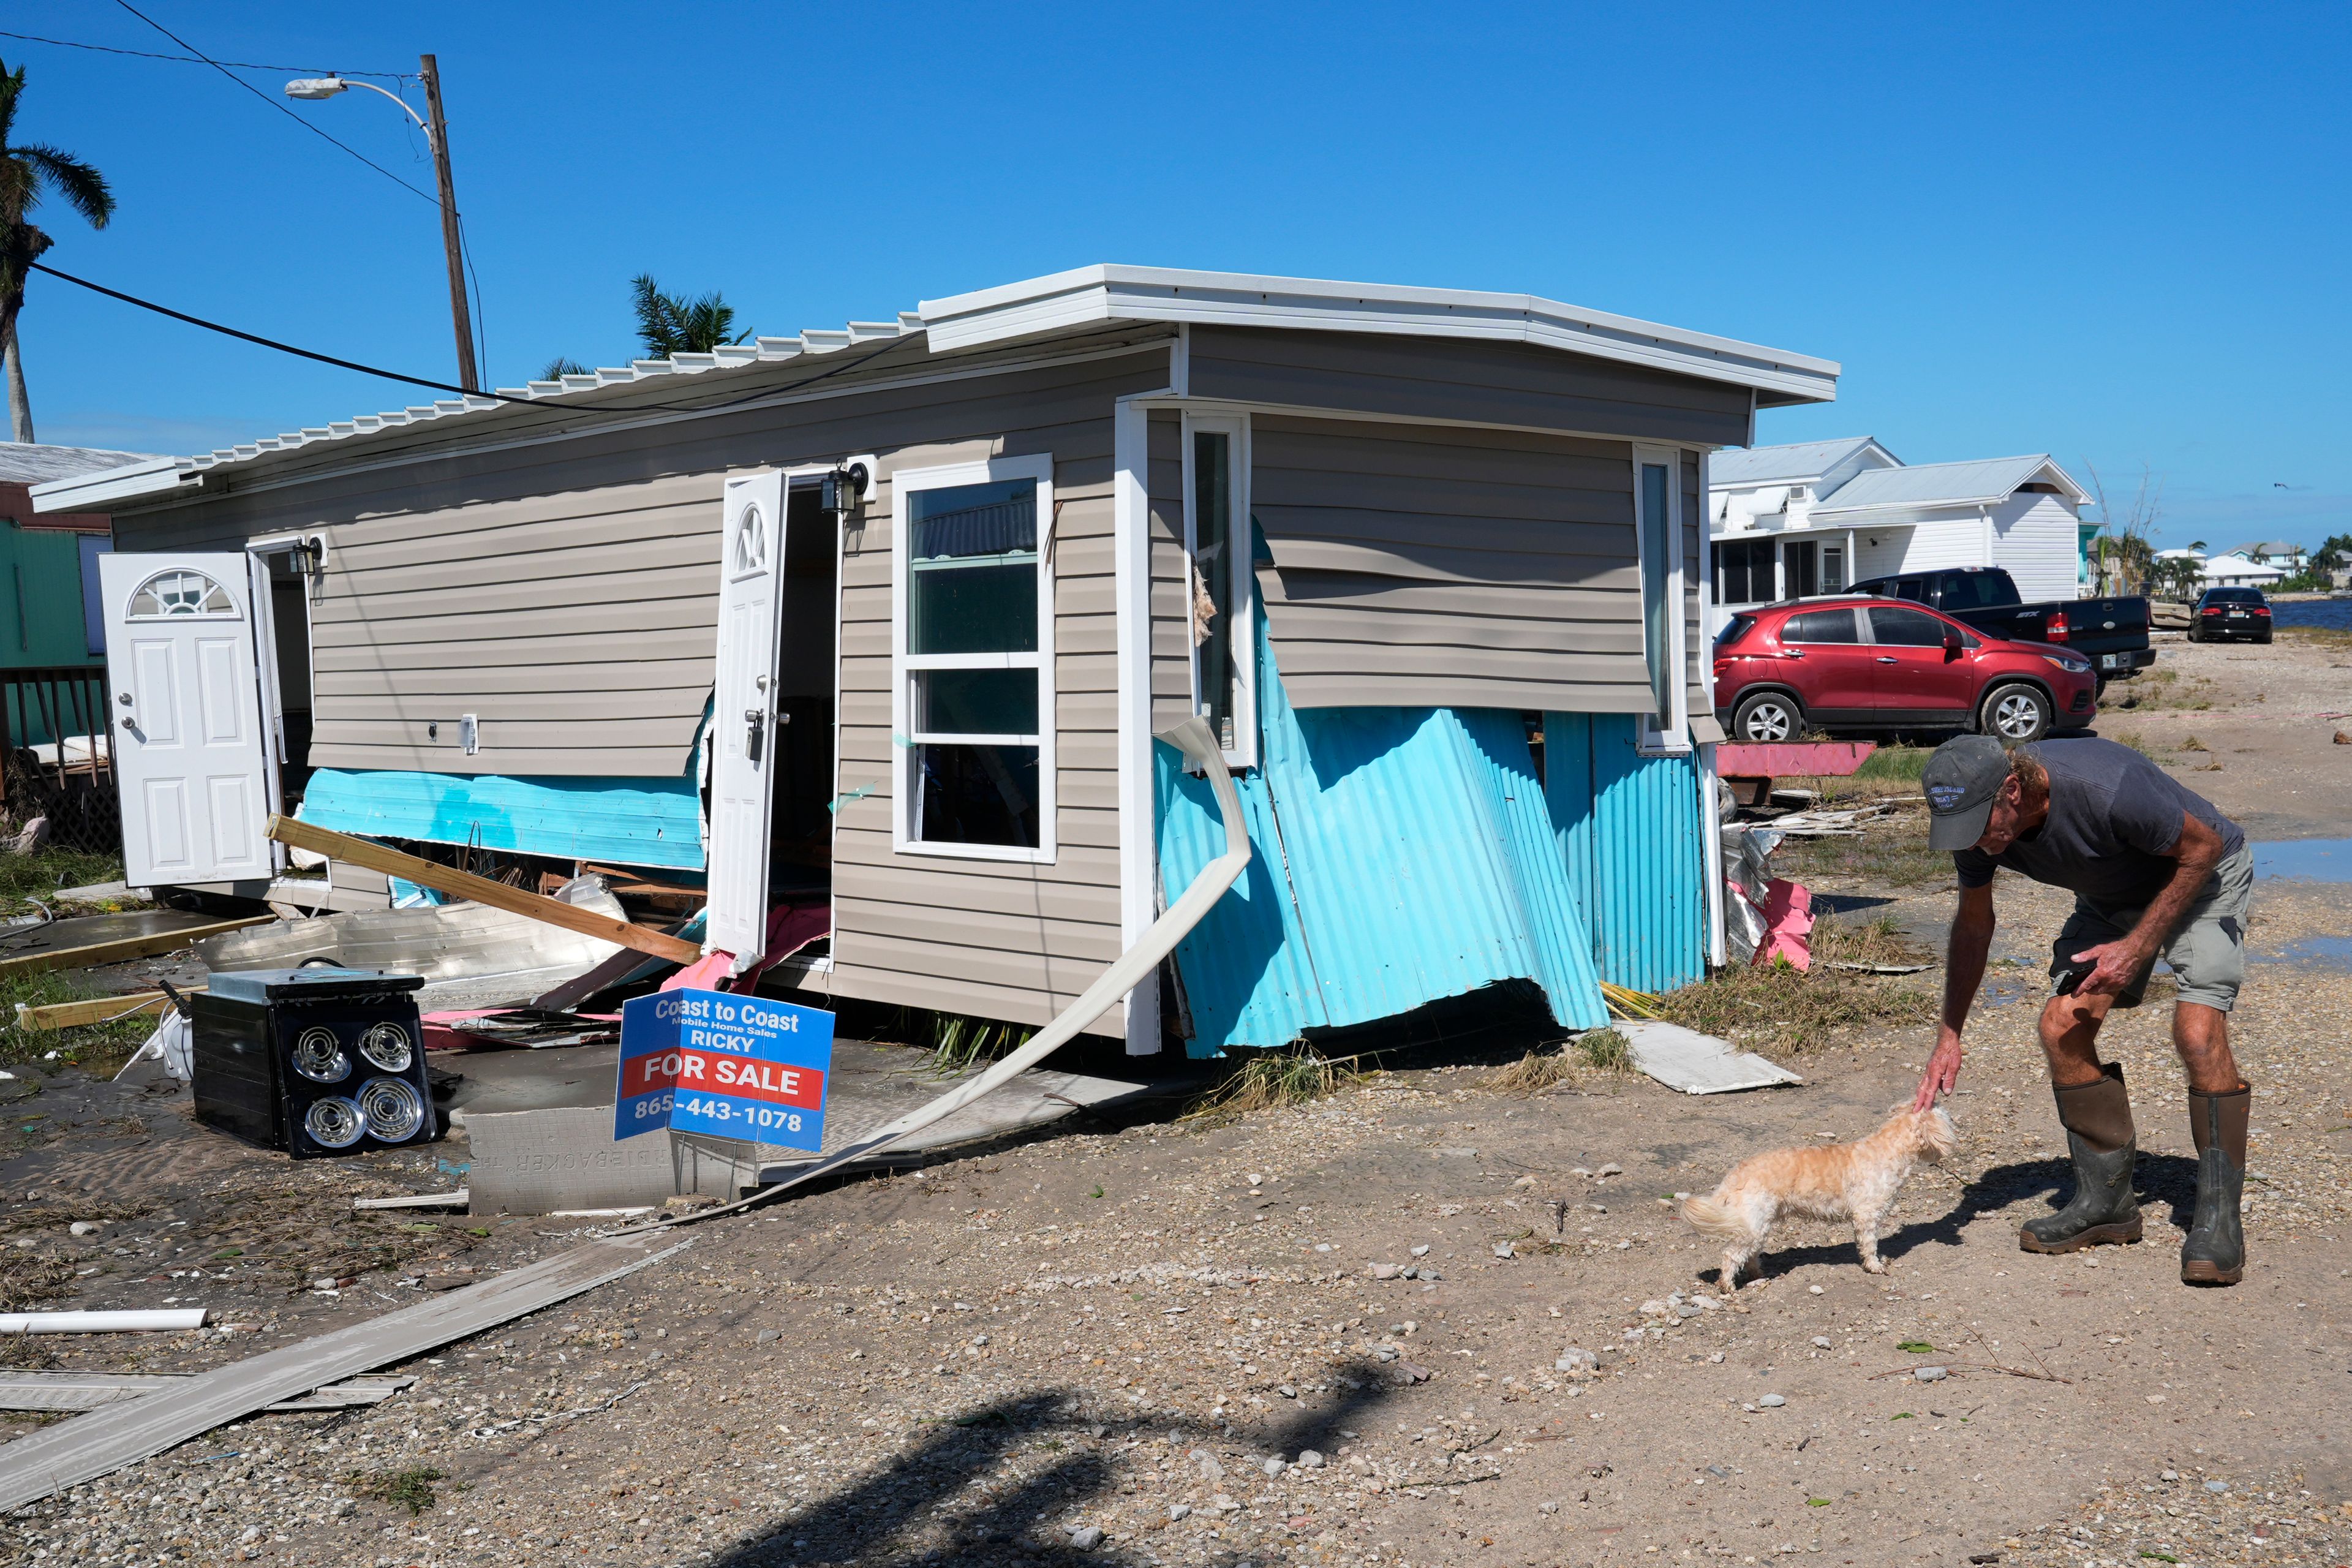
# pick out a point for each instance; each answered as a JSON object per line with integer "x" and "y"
{"x": 79, "y": 183}
{"x": 561, "y": 366}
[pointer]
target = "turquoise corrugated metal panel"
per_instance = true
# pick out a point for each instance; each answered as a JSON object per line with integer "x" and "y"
{"x": 1417, "y": 874}
{"x": 1247, "y": 978}
{"x": 1629, "y": 829}
{"x": 1407, "y": 855}
{"x": 622, "y": 821}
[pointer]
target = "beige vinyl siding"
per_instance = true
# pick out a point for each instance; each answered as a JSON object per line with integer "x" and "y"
{"x": 1435, "y": 565}
{"x": 1454, "y": 379}
{"x": 1695, "y": 643}
{"x": 1171, "y": 581}
{"x": 568, "y": 594}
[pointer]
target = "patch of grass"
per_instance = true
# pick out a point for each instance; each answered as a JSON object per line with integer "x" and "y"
{"x": 1916, "y": 1347}
{"x": 1534, "y": 1072}
{"x": 1775, "y": 1007}
{"x": 97, "y": 1048}
{"x": 411, "y": 1488}
{"x": 1603, "y": 1050}
{"x": 2316, "y": 636}
{"x": 40, "y": 874}
{"x": 2193, "y": 744}
{"x": 1891, "y": 850}
{"x": 1897, "y": 763}
{"x": 957, "y": 1043}
{"x": 24, "y": 1280}
{"x": 1271, "y": 1078}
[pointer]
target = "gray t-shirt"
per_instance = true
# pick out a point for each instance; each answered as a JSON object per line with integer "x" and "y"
{"x": 2114, "y": 817}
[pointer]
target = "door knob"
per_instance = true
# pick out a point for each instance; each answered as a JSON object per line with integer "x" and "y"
{"x": 123, "y": 697}
{"x": 130, "y": 724}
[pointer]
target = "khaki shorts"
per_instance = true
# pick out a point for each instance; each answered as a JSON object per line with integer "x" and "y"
{"x": 2207, "y": 950}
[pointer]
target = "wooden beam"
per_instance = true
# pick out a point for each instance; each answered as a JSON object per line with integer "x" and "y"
{"x": 94, "y": 1009}
{"x": 123, "y": 948}
{"x": 481, "y": 890}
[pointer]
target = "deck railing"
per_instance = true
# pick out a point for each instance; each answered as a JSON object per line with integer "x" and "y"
{"x": 60, "y": 760}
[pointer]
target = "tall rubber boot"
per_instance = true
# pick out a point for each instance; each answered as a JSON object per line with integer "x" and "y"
{"x": 2103, "y": 1211}
{"x": 2215, "y": 1252}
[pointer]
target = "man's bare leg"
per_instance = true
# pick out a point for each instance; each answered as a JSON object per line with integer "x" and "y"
{"x": 2202, "y": 1035}
{"x": 2070, "y": 1038}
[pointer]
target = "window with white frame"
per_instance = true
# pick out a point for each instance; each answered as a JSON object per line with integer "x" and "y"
{"x": 1219, "y": 546}
{"x": 1657, "y": 512}
{"x": 972, "y": 630}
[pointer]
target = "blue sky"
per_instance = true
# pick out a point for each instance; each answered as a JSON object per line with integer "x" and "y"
{"x": 2117, "y": 233}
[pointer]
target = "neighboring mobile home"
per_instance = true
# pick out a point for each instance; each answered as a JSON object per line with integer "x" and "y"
{"x": 1814, "y": 516}
{"x": 883, "y": 620}
{"x": 49, "y": 618}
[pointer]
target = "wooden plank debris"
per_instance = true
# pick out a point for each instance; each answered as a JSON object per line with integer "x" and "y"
{"x": 95, "y": 1009}
{"x": 480, "y": 890}
{"x": 120, "y": 949}
{"x": 71, "y": 1391}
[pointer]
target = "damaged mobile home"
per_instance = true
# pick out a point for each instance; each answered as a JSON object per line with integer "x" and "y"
{"x": 877, "y": 625}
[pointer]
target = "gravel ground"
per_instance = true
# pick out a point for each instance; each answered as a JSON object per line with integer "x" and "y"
{"x": 1203, "y": 1342}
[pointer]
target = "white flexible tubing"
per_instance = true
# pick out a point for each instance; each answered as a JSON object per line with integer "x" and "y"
{"x": 160, "y": 1319}
{"x": 1199, "y": 744}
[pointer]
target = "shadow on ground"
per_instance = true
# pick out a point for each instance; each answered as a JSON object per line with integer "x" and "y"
{"x": 923, "y": 1508}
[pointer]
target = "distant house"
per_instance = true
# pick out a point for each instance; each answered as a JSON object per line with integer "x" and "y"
{"x": 1813, "y": 517}
{"x": 49, "y": 571}
{"x": 2273, "y": 553}
{"x": 2235, "y": 569}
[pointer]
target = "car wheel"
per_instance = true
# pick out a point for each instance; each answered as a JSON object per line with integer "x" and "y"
{"x": 2262, "y": 637}
{"x": 2016, "y": 714}
{"x": 1765, "y": 716}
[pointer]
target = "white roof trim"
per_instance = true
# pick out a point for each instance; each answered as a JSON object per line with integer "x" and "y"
{"x": 2047, "y": 472}
{"x": 1090, "y": 294}
{"x": 162, "y": 475}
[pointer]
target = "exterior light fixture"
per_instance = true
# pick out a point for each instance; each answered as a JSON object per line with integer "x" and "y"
{"x": 315, "y": 87}
{"x": 838, "y": 494}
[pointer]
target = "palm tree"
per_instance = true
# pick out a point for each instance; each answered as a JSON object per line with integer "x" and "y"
{"x": 671, "y": 324}
{"x": 26, "y": 172}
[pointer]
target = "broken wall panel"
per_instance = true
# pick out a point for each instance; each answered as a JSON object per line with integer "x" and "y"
{"x": 613, "y": 821}
{"x": 1418, "y": 860}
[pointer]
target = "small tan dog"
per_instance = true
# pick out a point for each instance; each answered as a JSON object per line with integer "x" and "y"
{"x": 1856, "y": 1182}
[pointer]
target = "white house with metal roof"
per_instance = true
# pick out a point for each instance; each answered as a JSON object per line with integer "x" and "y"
{"x": 1814, "y": 517}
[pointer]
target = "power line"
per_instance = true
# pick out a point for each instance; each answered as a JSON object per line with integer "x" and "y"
{"x": 194, "y": 59}
{"x": 443, "y": 385}
{"x": 273, "y": 103}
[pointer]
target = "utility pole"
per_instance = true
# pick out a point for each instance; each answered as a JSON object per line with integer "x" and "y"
{"x": 437, "y": 132}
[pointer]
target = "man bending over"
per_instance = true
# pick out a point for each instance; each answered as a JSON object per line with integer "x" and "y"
{"x": 2155, "y": 870}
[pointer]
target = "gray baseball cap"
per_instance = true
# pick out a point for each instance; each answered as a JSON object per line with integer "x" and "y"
{"x": 1960, "y": 781}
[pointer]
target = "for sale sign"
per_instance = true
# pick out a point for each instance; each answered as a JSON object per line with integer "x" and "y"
{"x": 734, "y": 1066}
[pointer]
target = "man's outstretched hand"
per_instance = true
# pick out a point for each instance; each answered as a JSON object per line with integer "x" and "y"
{"x": 2113, "y": 965}
{"x": 1943, "y": 1071}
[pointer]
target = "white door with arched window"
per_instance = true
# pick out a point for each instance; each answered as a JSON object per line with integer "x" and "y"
{"x": 185, "y": 705}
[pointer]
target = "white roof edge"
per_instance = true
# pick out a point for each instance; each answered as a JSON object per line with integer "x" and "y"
{"x": 2043, "y": 463}
{"x": 94, "y": 492}
{"x": 1063, "y": 300}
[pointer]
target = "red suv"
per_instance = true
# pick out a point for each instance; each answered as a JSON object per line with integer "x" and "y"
{"x": 1868, "y": 664}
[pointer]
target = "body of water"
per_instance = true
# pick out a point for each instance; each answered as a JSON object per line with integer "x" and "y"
{"x": 2308, "y": 859}
{"x": 2336, "y": 614}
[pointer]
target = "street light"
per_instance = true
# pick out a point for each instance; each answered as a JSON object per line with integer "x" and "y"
{"x": 437, "y": 137}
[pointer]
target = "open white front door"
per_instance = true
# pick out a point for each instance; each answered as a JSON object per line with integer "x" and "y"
{"x": 186, "y": 708}
{"x": 743, "y": 716}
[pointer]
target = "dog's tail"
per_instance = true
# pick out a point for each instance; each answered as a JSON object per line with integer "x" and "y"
{"x": 1711, "y": 1218}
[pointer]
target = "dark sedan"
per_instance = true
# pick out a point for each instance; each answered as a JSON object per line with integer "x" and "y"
{"x": 2222, "y": 614}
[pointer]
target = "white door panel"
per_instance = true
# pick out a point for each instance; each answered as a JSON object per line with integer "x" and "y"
{"x": 186, "y": 707}
{"x": 743, "y": 715}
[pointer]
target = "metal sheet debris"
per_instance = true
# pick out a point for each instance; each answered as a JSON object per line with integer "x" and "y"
{"x": 454, "y": 941}
{"x": 113, "y": 1435}
{"x": 1692, "y": 1063}
{"x": 70, "y": 1391}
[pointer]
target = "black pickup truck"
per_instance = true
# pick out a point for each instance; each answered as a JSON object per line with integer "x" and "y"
{"x": 2111, "y": 633}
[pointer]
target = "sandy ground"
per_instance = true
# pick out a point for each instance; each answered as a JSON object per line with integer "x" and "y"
{"x": 1156, "y": 1332}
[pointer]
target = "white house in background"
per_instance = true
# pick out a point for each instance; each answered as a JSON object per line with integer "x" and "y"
{"x": 2233, "y": 569}
{"x": 2272, "y": 552}
{"x": 1814, "y": 517}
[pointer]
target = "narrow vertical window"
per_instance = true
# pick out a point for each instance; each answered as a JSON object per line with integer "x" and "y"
{"x": 976, "y": 677}
{"x": 1220, "y": 585}
{"x": 1833, "y": 568}
{"x": 1657, "y": 578}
